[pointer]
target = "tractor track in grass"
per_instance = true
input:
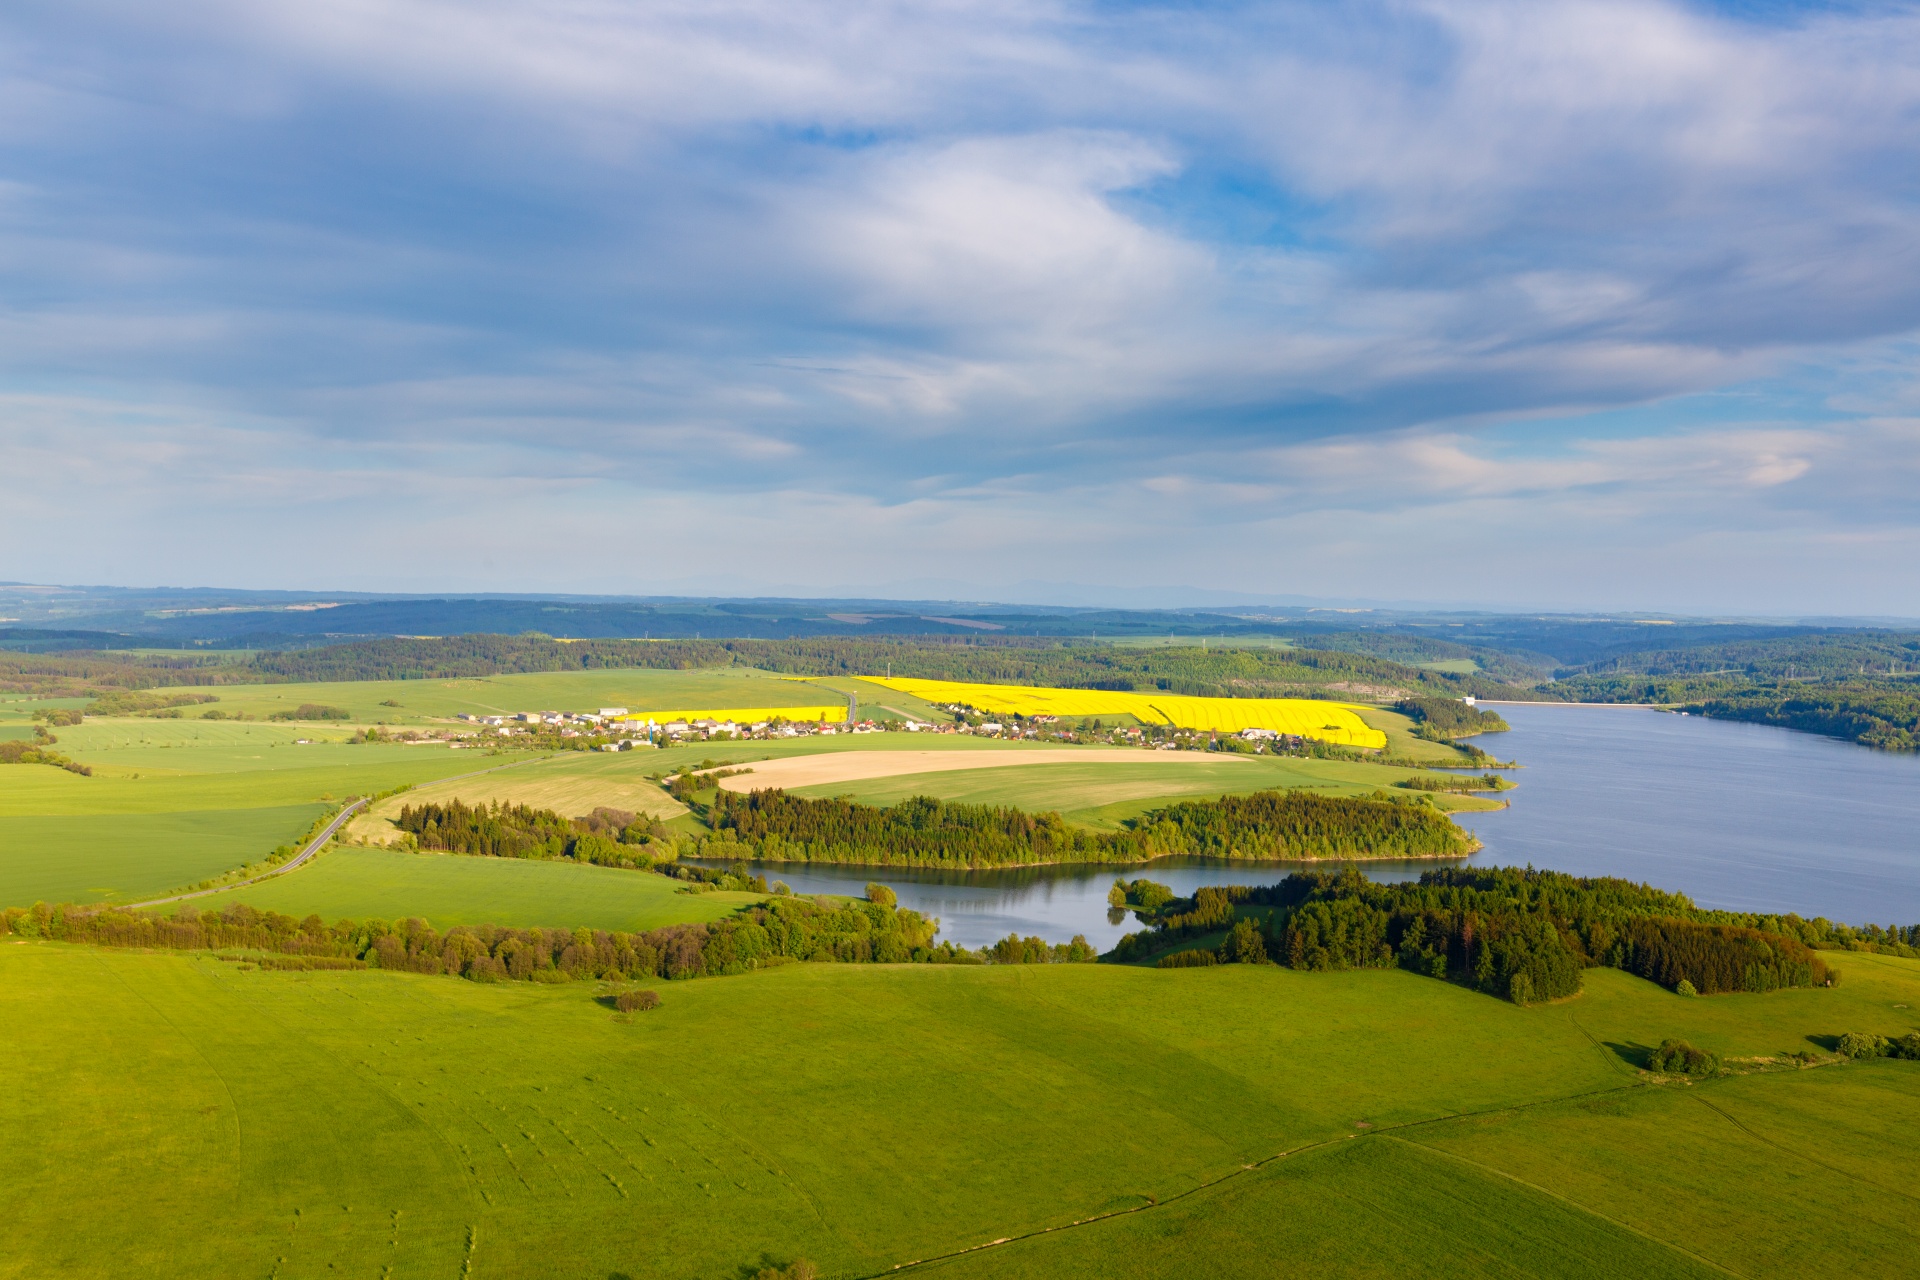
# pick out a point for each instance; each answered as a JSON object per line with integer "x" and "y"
{"x": 1385, "y": 1131}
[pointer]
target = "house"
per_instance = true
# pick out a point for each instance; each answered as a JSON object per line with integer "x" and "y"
{"x": 608, "y": 713}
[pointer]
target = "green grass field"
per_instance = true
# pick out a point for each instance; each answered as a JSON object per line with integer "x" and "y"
{"x": 422, "y": 701}
{"x": 173, "y": 802}
{"x": 1103, "y": 795}
{"x": 446, "y": 890}
{"x": 118, "y": 857}
{"x": 242, "y": 1122}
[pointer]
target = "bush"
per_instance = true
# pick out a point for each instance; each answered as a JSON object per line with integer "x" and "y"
{"x": 312, "y": 711}
{"x": 800, "y": 1269}
{"x": 1684, "y": 988}
{"x": 1678, "y": 1058}
{"x": 636, "y": 1001}
{"x": 877, "y": 892}
{"x": 1189, "y": 960}
{"x": 1861, "y": 1044}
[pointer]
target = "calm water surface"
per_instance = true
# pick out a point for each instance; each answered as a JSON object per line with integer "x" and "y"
{"x": 1739, "y": 816}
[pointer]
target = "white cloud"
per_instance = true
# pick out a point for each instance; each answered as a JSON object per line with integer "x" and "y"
{"x": 1057, "y": 272}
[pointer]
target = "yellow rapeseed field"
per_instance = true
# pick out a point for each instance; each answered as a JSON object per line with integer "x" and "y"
{"x": 743, "y": 715}
{"x": 1303, "y": 717}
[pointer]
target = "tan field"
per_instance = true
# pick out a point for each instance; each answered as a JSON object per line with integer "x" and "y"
{"x": 570, "y": 786}
{"x": 856, "y": 766}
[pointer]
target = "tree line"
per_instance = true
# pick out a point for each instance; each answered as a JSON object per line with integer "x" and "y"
{"x": 1879, "y": 712}
{"x": 39, "y": 750}
{"x": 775, "y": 826}
{"x": 782, "y": 930}
{"x": 1524, "y": 935}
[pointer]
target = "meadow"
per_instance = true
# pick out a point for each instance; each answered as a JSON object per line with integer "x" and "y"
{"x": 173, "y": 802}
{"x": 1104, "y": 795}
{"x": 447, "y": 889}
{"x": 570, "y": 783}
{"x": 1261, "y": 1121}
{"x": 424, "y": 701}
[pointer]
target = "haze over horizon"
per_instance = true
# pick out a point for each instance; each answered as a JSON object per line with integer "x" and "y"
{"x": 1557, "y": 305}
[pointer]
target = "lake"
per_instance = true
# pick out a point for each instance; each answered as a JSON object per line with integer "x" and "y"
{"x": 1745, "y": 817}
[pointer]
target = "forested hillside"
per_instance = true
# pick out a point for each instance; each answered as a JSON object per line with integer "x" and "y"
{"x": 1202, "y": 671}
{"x": 1881, "y": 713}
{"x": 1521, "y": 934}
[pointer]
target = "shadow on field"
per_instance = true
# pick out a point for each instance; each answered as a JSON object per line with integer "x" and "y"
{"x": 1635, "y": 1055}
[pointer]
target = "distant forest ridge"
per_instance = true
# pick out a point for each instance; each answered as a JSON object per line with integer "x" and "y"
{"x": 1193, "y": 671}
{"x": 1859, "y": 684}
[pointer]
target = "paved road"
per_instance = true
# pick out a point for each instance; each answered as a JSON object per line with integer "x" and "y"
{"x": 312, "y": 848}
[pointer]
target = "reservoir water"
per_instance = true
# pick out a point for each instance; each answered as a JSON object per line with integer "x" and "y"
{"x": 1745, "y": 817}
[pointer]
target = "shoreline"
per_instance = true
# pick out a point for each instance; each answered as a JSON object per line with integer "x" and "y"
{"x": 1478, "y": 846}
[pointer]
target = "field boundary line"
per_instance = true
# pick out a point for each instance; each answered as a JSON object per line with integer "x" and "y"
{"x": 1575, "y": 1205}
{"x": 1262, "y": 1163}
{"x": 898, "y": 1267}
{"x": 1759, "y": 1137}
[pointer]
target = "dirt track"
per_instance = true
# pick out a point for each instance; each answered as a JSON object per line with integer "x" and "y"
{"x": 855, "y": 766}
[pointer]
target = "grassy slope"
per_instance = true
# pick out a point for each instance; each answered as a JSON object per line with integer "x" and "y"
{"x": 571, "y": 783}
{"x": 1403, "y": 745}
{"x": 243, "y": 1121}
{"x": 1103, "y": 795}
{"x": 173, "y": 802}
{"x": 126, "y": 858}
{"x": 448, "y": 889}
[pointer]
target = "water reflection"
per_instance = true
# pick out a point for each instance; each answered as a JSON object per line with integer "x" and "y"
{"x": 977, "y": 908}
{"x": 1740, "y": 816}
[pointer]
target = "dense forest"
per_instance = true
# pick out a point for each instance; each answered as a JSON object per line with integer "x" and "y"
{"x": 1447, "y": 719}
{"x": 1521, "y": 934}
{"x": 1194, "y": 670}
{"x": 1819, "y": 655}
{"x": 1883, "y": 715}
{"x": 924, "y": 832}
{"x": 605, "y": 837}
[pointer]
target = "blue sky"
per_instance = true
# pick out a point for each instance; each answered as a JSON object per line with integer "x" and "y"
{"x": 1535, "y": 304}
